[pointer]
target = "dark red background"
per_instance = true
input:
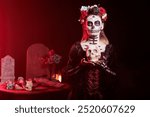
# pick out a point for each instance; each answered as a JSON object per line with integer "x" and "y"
{"x": 55, "y": 24}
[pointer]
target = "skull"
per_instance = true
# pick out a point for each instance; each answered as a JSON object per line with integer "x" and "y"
{"x": 93, "y": 53}
{"x": 94, "y": 24}
{"x": 29, "y": 85}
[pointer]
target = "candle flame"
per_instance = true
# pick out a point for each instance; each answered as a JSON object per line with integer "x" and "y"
{"x": 58, "y": 77}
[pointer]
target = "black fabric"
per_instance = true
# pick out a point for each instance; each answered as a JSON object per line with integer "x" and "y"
{"x": 87, "y": 81}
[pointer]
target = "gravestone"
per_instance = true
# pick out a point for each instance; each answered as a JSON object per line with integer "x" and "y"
{"x": 7, "y": 69}
{"x": 34, "y": 65}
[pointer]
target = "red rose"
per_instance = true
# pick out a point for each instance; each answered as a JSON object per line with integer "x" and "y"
{"x": 102, "y": 11}
{"x": 83, "y": 14}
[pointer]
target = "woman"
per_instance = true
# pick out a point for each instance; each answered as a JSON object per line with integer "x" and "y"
{"x": 87, "y": 62}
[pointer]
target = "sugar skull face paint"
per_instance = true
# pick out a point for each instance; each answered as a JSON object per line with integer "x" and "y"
{"x": 94, "y": 24}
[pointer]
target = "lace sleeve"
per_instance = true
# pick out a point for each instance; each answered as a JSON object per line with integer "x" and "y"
{"x": 111, "y": 57}
{"x": 73, "y": 66}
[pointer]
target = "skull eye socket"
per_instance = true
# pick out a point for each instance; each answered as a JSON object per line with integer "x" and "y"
{"x": 97, "y": 23}
{"x": 95, "y": 51}
{"x": 89, "y": 51}
{"x": 89, "y": 23}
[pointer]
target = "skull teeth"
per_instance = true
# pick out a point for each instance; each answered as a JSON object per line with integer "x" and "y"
{"x": 94, "y": 31}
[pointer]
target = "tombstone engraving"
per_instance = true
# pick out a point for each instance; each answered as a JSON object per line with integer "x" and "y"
{"x": 34, "y": 66}
{"x": 7, "y": 69}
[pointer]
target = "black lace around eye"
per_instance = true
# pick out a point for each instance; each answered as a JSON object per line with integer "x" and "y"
{"x": 89, "y": 23}
{"x": 97, "y": 23}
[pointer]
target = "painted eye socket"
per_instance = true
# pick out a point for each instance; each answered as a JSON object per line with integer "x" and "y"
{"x": 89, "y": 51}
{"x": 97, "y": 23}
{"x": 89, "y": 23}
{"x": 95, "y": 51}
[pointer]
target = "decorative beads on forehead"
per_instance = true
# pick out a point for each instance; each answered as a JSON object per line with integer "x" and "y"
{"x": 94, "y": 17}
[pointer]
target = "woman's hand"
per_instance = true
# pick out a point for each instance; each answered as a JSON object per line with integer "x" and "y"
{"x": 86, "y": 63}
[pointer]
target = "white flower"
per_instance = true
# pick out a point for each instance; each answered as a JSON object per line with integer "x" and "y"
{"x": 104, "y": 16}
{"x": 84, "y": 8}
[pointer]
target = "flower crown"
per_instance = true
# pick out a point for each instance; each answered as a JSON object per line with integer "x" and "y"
{"x": 95, "y": 10}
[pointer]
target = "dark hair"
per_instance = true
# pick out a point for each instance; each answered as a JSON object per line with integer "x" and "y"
{"x": 94, "y": 11}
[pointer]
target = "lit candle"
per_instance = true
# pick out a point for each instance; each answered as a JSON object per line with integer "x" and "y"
{"x": 59, "y": 78}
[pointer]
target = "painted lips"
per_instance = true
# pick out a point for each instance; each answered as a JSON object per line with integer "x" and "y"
{"x": 94, "y": 31}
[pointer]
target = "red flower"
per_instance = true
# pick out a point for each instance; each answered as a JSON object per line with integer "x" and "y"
{"x": 102, "y": 11}
{"x": 83, "y": 15}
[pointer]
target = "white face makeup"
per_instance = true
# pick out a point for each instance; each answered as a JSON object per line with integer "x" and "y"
{"x": 94, "y": 25}
{"x": 93, "y": 46}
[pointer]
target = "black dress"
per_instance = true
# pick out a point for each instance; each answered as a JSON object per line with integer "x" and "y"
{"x": 86, "y": 80}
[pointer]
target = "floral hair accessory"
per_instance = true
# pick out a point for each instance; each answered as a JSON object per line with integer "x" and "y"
{"x": 103, "y": 13}
{"x": 84, "y": 13}
{"x": 87, "y": 10}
